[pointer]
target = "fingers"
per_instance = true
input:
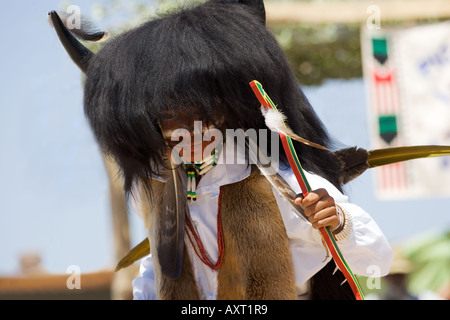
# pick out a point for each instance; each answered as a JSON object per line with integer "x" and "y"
{"x": 325, "y": 218}
{"x": 298, "y": 199}
{"x": 319, "y": 197}
{"x": 319, "y": 208}
{"x": 312, "y": 197}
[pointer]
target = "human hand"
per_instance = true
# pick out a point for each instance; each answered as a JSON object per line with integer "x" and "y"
{"x": 320, "y": 209}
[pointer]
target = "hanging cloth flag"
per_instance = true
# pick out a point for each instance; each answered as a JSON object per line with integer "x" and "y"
{"x": 407, "y": 75}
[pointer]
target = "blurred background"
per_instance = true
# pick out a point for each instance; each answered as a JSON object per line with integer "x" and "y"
{"x": 63, "y": 220}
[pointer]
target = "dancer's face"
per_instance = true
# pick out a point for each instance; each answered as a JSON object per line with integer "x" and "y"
{"x": 188, "y": 134}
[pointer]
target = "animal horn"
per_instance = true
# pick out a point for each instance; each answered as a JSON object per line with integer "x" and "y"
{"x": 78, "y": 52}
{"x": 258, "y": 6}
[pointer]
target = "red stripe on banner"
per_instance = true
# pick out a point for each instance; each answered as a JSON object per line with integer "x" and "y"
{"x": 394, "y": 95}
{"x": 396, "y": 176}
{"x": 386, "y": 102}
{"x": 383, "y": 84}
{"x": 392, "y": 177}
{"x": 390, "y": 98}
{"x": 404, "y": 176}
{"x": 401, "y": 176}
{"x": 383, "y": 178}
{"x": 389, "y": 180}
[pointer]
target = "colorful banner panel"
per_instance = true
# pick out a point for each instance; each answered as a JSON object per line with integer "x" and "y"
{"x": 407, "y": 75}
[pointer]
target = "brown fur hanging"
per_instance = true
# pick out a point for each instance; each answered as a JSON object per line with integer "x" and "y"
{"x": 257, "y": 261}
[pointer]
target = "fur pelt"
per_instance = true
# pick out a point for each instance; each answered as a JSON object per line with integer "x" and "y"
{"x": 203, "y": 58}
{"x": 353, "y": 163}
{"x": 257, "y": 261}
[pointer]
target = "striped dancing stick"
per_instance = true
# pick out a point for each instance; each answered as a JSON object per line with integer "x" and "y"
{"x": 294, "y": 162}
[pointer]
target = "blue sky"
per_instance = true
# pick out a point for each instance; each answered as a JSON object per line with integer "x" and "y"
{"x": 54, "y": 195}
{"x": 54, "y": 199}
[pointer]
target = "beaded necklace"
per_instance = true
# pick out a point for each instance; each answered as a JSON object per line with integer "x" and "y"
{"x": 194, "y": 171}
{"x": 197, "y": 169}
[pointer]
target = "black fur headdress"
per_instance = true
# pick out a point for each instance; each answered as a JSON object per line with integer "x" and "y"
{"x": 201, "y": 59}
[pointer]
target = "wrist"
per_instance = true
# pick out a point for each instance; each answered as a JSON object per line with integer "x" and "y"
{"x": 345, "y": 227}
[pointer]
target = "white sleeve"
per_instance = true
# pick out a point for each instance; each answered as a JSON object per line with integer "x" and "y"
{"x": 144, "y": 286}
{"x": 366, "y": 250}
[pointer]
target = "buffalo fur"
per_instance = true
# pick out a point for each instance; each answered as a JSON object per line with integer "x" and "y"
{"x": 257, "y": 250}
{"x": 353, "y": 163}
{"x": 200, "y": 58}
{"x": 257, "y": 261}
{"x": 203, "y": 58}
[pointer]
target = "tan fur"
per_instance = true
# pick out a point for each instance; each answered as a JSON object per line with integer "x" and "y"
{"x": 257, "y": 262}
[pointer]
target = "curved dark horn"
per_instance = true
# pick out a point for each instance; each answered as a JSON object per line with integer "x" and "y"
{"x": 258, "y": 6}
{"x": 79, "y": 53}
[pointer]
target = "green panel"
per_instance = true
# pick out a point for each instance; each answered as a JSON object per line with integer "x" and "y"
{"x": 387, "y": 123}
{"x": 379, "y": 46}
{"x": 388, "y": 127}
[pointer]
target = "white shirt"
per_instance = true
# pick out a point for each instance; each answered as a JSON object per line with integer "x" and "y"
{"x": 365, "y": 249}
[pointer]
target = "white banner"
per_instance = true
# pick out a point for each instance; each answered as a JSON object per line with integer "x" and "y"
{"x": 407, "y": 75}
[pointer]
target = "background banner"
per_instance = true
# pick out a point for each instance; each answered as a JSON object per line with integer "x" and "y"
{"x": 407, "y": 76}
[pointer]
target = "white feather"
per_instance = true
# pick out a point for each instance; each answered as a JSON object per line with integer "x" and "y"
{"x": 276, "y": 121}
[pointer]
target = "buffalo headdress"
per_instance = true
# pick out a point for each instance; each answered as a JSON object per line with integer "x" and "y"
{"x": 198, "y": 62}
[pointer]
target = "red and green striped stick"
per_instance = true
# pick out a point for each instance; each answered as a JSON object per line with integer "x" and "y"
{"x": 294, "y": 162}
